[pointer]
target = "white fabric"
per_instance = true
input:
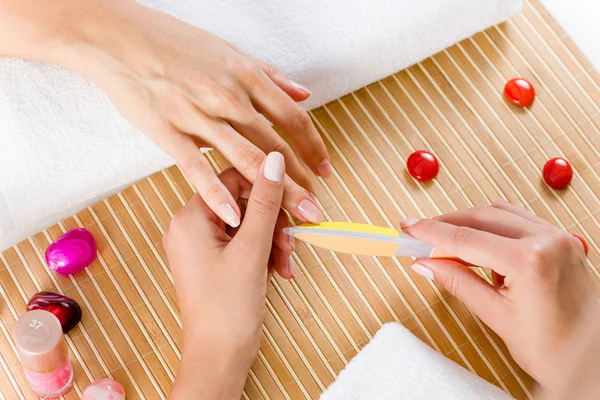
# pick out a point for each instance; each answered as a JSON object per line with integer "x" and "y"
{"x": 396, "y": 365}
{"x": 579, "y": 18}
{"x": 63, "y": 146}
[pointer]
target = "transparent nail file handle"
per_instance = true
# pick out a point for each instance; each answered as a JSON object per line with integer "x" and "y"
{"x": 407, "y": 246}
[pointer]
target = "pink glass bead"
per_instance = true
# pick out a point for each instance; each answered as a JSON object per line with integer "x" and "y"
{"x": 104, "y": 389}
{"x": 64, "y": 308}
{"x": 71, "y": 252}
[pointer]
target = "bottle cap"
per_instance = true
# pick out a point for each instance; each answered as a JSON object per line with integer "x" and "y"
{"x": 40, "y": 343}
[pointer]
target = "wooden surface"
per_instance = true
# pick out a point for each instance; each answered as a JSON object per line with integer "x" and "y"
{"x": 450, "y": 104}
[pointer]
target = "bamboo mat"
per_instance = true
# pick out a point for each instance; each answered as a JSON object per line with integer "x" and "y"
{"x": 450, "y": 104}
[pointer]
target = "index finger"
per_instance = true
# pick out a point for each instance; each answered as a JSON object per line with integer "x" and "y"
{"x": 474, "y": 246}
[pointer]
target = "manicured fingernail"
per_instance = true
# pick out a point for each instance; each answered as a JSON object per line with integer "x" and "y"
{"x": 227, "y": 214}
{"x": 423, "y": 271}
{"x": 324, "y": 169}
{"x": 292, "y": 265}
{"x": 274, "y": 167}
{"x": 299, "y": 86}
{"x": 309, "y": 211}
{"x": 405, "y": 223}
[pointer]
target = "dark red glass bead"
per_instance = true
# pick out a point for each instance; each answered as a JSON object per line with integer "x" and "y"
{"x": 519, "y": 92}
{"x": 422, "y": 165}
{"x": 583, "y": 242}
{"x": 558, "y": 173}
{"x": 64, "y": 308}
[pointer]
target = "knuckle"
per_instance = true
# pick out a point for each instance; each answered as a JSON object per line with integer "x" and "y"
{"x": 451, "y": 284}
{"x": 301, "y": 122}
{"x": 194, "y": 167}
{"x": 462, "y": 234}
{"x": 250, "y": 158}
{"x": 269, "y": 69}
{"x": 282, "y": 147}
{"x": 266, "y": 202}
{"x": 212, "y": 192}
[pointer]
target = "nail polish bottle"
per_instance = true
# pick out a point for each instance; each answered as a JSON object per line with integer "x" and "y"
{"x": 43, "y": 353}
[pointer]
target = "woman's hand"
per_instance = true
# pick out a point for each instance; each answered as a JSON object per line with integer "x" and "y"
{"x": 541, "y": 288}
{"x": 181, "y": 86}
{"x": 221, "y": 279}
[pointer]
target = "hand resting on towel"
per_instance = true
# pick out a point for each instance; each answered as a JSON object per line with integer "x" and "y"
{"x": 180, "y": 85}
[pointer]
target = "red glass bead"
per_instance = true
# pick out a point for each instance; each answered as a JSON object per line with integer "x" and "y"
{"x": 519, "y": 92}
{"x": 558, "y": 173}
{"x": 583, "y": 242}
{"x": 422, "y": 165}
{"x": 64, "y": 308}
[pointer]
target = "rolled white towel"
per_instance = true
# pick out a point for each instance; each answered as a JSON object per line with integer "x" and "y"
{"x": 396, "y": 365}
{"x": 63, "y": 146}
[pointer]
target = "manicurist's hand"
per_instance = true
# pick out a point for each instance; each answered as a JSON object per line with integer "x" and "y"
{"x": 221, "y": 276}
{"x": 540, "y": 291}
{"x": 181, "y": 86}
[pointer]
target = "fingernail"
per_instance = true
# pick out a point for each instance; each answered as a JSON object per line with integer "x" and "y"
{"x": 423, "y": 271}
{"x": 299, "y": 86}
{"x": 273, "y": 170}
{"x": 292, "y": 241}
{"x": 292, "y": 265}
{"x": 309, "y": 211}
{"x": 227, "y": 214}
{"x": 405, "y": 223}
{"x": 324, "y": 169}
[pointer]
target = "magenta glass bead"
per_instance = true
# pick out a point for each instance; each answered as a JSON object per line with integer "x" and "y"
{"x": 71, "y": 252}
{"x": 104, "y": 389}
{"x": 64, "y": 308}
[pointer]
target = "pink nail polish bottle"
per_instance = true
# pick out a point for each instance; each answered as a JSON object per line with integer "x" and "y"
{"x": 43, "y": 354}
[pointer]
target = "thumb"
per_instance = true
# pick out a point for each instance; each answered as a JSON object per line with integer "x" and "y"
{"x": 256, "y": 232}
{"x": 463, "y": 283}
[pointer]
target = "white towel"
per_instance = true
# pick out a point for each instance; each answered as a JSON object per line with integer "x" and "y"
{"x": 396, "y": 365}
{"x": 63, "y": 146}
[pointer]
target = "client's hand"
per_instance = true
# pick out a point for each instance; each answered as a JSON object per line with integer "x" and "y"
{"x": 221, "y": 278}
{"x": 184, "y": 88}
{"x": 541, "y": 287}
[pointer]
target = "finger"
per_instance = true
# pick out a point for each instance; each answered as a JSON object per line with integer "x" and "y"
{"x": 294, "y": 90}
{"x": 463, "y": 283}
{"x": 261, "y": 134}
{"x": 520, "y": 211}
{"x": 285, "y": 243}
{"x": 281, "y": 262}
{"x": 248, "y": 159}
{"x": 256, "y": 233}
{"x": 493, "y": 220}
{"x": 235, "y": 183}
{"x": 201, "y": 175}
{"x": 474, "y": 246}
{"x": 296, "y": 126}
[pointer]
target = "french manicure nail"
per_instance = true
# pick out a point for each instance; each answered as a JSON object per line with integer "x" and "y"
{"x": 274, "y": 167}
{"x": 301, "y": 87}
{"x": 227, "y": 214}
{"x": 405, "y": 223}
{"x": 292, "y": 265}
{"x": 423, "y": 271}
{"x": 324, "y": 169}
{"x": 309, "y": 211}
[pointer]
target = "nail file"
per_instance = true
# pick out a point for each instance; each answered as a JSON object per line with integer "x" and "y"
{"x": 361, "y": 239}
